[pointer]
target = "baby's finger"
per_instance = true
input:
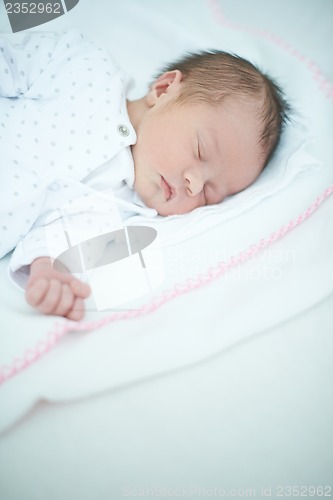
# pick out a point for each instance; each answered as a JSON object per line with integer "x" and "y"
{"x": 66, "y": 301}
{"x": 36, "y": 292}
{"x": 52, "y": 298}
{"x": 80, "y": 288}
{"x": 77, "y": 311}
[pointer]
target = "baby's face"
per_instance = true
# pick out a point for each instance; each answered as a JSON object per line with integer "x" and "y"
{"x": 193, "y": 155}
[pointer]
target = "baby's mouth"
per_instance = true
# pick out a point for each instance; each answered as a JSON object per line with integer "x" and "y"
{"x": 167, "y": 189}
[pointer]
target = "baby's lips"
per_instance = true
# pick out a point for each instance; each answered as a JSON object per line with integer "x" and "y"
{"x": 168, "y": 190}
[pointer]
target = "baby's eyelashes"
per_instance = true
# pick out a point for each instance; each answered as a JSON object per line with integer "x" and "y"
{"x": 200, "y": 148}
{"x": 205, "y": 195}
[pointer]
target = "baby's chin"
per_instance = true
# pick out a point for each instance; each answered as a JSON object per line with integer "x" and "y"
{"x": 161, "y": 208}
{"x": 167, "y": 209}
{"x": 149, "y": 201}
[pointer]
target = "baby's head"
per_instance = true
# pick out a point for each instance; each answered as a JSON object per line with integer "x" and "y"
{"x": 205, "y": 130}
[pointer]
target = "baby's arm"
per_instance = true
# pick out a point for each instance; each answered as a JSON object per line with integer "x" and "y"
{"x": 53, "y": 292}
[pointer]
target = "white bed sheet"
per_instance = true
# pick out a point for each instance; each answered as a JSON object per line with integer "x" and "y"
{"x": 257, "y": 415}
{"x": 305, "y": 279}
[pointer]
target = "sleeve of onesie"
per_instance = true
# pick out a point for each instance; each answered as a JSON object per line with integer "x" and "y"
{"x": 22, "y": 64}
{"x": 79, "y": 231}
{"x": 26, "y": 67}
{"x": 36, "y": 68}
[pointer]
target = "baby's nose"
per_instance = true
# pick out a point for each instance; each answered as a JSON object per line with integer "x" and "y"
{"x": 194, "y": 185}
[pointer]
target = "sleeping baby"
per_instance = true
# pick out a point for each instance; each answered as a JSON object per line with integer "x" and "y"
{"x": 205, "y": 130}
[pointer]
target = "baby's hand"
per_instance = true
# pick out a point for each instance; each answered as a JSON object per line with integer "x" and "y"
{"x": 52, "y": 292}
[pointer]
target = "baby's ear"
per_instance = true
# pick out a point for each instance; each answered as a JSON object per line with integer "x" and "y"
{"x": 167, "y": 83}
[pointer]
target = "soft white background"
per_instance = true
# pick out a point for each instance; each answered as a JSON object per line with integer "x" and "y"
{"x": 257, "y": 414}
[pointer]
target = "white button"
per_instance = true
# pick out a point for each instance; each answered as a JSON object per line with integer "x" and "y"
{"x": 123, "y": 130}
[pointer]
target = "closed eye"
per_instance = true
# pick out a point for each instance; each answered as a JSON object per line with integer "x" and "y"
{"x": 205, "y": 194}
{"x": 199, "y": 152}
{"x": 200, "y": 148}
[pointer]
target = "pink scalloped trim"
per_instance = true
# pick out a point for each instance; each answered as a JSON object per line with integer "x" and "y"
{"x": 31, "y": 355}
{"x": 324, "y": 84}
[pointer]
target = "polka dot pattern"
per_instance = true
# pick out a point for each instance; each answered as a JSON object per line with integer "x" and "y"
{"x": 66, "y": 105}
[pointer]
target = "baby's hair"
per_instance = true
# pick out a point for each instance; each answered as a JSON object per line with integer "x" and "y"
{"x": 211, "y": 77}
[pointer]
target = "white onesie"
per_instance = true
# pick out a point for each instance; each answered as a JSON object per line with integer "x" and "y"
{"x": 65, "y": 140}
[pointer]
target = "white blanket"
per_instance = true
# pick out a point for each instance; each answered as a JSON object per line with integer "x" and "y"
{"x": 285, "y": 279}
